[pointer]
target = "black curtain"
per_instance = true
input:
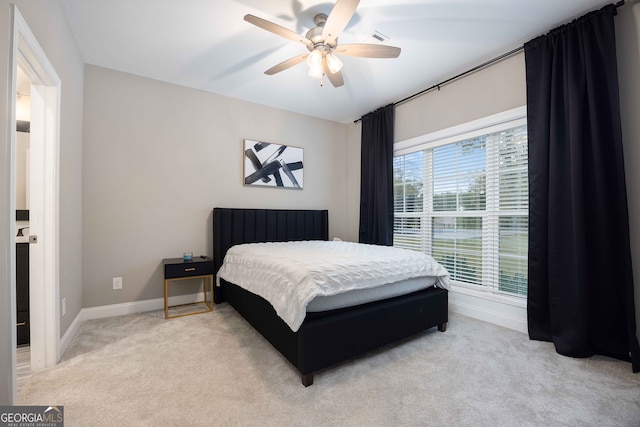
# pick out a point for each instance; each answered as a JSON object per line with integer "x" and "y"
{"x": 580, "y": 277}
{"x": 376, "y": 177}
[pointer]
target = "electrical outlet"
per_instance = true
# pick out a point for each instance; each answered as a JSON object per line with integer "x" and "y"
{"x": 117, "y": 283}
{"x": 64, "y": 306}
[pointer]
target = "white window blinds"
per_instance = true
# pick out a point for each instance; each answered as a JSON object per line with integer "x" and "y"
{"x": 464, "y": 201}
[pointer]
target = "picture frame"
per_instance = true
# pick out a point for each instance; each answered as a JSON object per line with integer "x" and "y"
{"x": 273, "y": 165}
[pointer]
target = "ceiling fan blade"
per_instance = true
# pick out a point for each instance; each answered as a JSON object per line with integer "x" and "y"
{"x": 336, "y": 78}
{"x": 276, "y": 29}
{"x": 339, "y": 17}
{"x": 368, "y": 50}
{"x": 286, "y": 64}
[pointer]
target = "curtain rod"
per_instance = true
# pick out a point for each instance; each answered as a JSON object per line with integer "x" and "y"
{"x": 472, "y": 70}
{"x": 469, "y": 71}
{"x": 449, "y": 80}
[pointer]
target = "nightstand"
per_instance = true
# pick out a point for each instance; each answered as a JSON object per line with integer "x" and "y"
{"x": 176, "y": 269}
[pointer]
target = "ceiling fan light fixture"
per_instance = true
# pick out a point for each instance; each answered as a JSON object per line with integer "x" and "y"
{"x": 315, "y": 70}
{"x": 315, "y": 58}
{"x": 334, "y": 63}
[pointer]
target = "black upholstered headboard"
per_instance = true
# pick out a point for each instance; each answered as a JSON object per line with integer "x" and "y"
{"x": 233, "y": 226}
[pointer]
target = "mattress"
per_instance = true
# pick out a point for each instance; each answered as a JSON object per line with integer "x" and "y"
{"x": 366, "y": 295}
{"x": 291, "y": 274}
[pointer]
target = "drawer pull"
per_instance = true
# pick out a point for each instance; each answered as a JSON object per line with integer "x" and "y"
{"x": 190, "y": 269}
{"x": 21, "y": 323}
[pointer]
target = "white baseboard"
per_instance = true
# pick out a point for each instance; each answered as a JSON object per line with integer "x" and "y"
{"x": 512, "y": 316}
{"x": 68, "y": 336}
{"x": 112, "y": 310}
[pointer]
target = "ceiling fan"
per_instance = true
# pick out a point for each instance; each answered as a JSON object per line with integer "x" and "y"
{"x": 322, "y": 42}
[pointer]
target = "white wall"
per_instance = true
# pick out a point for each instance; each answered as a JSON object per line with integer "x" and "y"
{"x": 47, "y": 22}
{"x": 159, "y": 157}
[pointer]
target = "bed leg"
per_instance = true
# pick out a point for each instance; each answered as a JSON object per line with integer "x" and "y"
{"x": 442, "y": 327}
{"x": 307, "y": 379}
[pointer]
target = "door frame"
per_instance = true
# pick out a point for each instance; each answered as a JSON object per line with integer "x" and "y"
{"x": 44, "y": 288}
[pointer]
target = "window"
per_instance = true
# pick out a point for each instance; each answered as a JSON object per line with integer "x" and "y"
{"x": 462, "y": 197}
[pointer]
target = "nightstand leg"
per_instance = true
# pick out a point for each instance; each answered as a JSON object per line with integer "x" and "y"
{"x": 205, "y": 282}
{"x": 166, "y": 300}
{"x": 209, "y": 301}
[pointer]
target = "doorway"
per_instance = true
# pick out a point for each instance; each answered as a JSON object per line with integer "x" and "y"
{"x": 28, "y": 56}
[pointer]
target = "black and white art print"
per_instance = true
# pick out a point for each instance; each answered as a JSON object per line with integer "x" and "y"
{"x": 273, "y": 165}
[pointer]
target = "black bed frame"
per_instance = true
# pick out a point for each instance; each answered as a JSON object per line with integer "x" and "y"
{"x": 327, "y": 338}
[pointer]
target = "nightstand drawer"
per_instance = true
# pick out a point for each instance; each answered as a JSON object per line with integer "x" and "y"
{"x": 188, "y": 269}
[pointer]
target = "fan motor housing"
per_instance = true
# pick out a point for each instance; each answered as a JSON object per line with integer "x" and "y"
{"x": 315, "y": 34}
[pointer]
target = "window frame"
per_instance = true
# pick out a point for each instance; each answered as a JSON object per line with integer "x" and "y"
{"x": 495, "y": 123}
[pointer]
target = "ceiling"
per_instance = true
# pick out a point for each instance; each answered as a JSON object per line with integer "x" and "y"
{"x": 206, "y": 45}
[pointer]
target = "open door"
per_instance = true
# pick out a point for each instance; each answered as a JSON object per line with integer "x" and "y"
{"x": 43, "y": 219}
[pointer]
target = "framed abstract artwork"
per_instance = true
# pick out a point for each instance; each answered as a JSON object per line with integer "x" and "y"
{"x": 273, "y": 165}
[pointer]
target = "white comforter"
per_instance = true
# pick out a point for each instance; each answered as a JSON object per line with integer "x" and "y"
{"x": 290, "y": 274}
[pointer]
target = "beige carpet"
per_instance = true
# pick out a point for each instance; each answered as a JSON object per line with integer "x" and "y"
{"x": 213, "y": 369}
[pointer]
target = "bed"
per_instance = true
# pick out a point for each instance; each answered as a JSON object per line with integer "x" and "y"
{"x": 324, "y": 338}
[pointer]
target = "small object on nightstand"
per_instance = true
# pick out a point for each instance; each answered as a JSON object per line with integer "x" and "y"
{"x": 187, "y": 256}
{"x": 179, "y": 269}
